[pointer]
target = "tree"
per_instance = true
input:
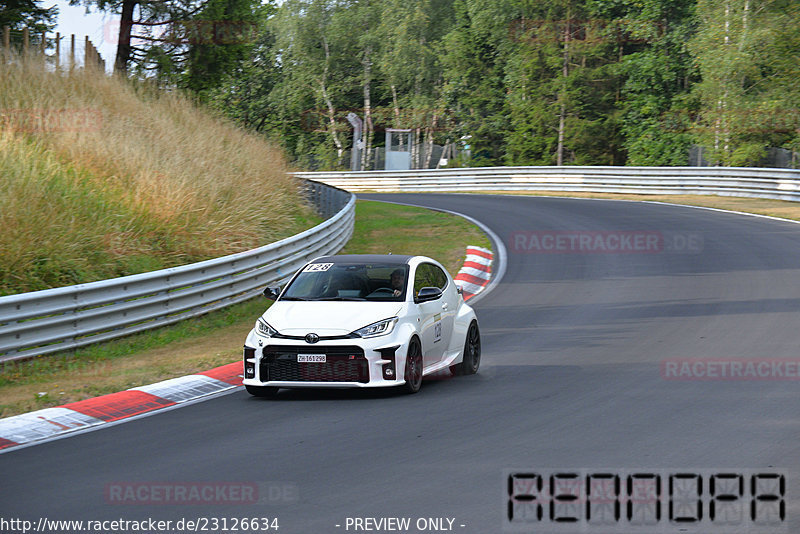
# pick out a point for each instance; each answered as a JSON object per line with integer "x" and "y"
{"x": 659, "y": 72}
{"x": 527, "y": 82}
{"x": 473, "y": 71}
{"x": 742, "y": 48}
{"x": 230, "y": 31}
{"x": 315, "y": 62}
{"x": 188, "y": 41}
{"x": 19, "y": 14}
{"x": 151, "y": 14}
{"x": 562, "y": 89}
{"x": 412, "y": 67}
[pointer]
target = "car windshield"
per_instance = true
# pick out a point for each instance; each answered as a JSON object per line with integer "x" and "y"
{"x": 349, "y": 281}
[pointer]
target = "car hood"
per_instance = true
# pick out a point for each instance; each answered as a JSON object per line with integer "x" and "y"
{"x": 331, "y": 318}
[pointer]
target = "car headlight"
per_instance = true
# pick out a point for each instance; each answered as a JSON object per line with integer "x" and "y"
{"x": 380, "y": 328}
{"x": 263, "y": 328}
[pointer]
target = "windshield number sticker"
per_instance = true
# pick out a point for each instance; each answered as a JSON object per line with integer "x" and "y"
{"x": 317, "y": 267}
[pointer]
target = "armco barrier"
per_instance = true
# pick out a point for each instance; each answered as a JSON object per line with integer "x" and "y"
{"x": 63, "y": 318}
{"x": 781, "y": 184}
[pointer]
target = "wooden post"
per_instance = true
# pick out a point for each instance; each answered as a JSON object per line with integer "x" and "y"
{"x": 25, "y": 41}
{"x": 7, "y": 42}
{"x": 43, "y": 49}
{"x": 95, "y": 56}
{"x": 87, "y": 51}
{"x": 58, "y": 51}
{"x": 72, "y": 52}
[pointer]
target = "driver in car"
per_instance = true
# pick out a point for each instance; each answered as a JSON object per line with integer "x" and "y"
{"x": 397, "y": 282}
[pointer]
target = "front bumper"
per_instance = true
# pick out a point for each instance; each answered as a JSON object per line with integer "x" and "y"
{"x": 349, "y": 363}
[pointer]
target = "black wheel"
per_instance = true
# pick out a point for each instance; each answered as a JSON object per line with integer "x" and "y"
{"x": 413, "y": 372}
{"x": 472, "y": 353}
{"x": 262, "y": 391}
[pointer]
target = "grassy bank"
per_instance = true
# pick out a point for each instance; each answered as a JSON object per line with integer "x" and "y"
{"x": 103, "y": 179}
{"x": 216, "y": 339}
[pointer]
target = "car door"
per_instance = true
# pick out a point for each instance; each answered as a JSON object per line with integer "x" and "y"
{"x": 436, "y": 317}
{"x": 448, "y": 305}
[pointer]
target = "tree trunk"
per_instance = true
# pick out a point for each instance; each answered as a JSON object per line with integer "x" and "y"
{"x": 329, "y": 104}
{"x": 124, "y": 41}
{"x": 368, "y": 129}
{"x": 562, "y": 114}
{"x": 724, "y": 104}
{"x": 332, "y": 122}
{"x": 397, "y": 115}
{"x": 429, "y": 143}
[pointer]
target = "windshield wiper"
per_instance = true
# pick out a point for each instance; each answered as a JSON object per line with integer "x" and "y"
{"x": 341, "y": 298}
{"x": 295, "y": 298}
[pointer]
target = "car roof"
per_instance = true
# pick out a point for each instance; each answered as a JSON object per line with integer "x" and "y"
{"x": 365, "y": 258}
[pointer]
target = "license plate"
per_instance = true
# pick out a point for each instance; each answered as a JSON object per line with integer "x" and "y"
{"x": 311, "y": 358}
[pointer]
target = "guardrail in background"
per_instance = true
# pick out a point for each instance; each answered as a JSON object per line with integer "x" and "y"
{"x": 781, "y": 184}
{"x": 63, "y": 318}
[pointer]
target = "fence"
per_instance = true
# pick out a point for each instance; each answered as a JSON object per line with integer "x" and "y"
{"x": 434, "y": 156}
{"x": 780, "y": 184}
{"x": 66, "y": 52}
{"x": 52, "y": 320}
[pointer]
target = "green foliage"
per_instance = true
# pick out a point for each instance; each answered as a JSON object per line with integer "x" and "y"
{"x": 234, "y": 26}
{"x": 588, "y": 82}
{"x": 748, "y": 83}
{"x": 655, "y": 106}
{"x": 19, "y": 14}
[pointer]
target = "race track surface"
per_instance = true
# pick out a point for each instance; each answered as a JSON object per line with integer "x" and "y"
{"x": 578, "y": 347}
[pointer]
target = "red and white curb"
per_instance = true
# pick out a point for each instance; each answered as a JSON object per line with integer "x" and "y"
{"x": 49, "y": 423}
{"x": 476, "y": 271}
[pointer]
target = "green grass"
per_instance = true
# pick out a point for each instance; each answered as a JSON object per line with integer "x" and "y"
{"x": 42, "y": 368}
{"x": 216, "y": 338}
{"x": 101, "y": 179}
{"x": 383, "y": 228}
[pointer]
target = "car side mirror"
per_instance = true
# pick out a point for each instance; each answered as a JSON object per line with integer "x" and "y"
{"x": 272, "y": 293}
{"x": 428, "y": 293}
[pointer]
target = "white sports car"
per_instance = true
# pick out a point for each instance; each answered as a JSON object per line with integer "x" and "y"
{"x": 362, "y": 321}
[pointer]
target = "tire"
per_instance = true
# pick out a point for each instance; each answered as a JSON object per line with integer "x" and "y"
{"x": 472, "y": 352}
{"x": 262, "y": 391}
{"x": 413, "y": 369}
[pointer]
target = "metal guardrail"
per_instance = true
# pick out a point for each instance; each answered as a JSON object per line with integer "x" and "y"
{"x": 52, "y": 320}
{"x": 781, "y": 184}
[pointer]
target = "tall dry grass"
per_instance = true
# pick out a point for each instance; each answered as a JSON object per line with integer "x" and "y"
{"x": 99, "y": 178}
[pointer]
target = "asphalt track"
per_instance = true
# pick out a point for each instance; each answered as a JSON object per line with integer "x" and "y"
{"x": 573, "y": 376}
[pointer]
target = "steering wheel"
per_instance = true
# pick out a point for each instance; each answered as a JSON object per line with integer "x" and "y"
{"x": 382, "y": 290}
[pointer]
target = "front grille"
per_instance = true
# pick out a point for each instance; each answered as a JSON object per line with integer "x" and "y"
{"x": 321, "y": 338}
{"x": 343, "y": 364}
